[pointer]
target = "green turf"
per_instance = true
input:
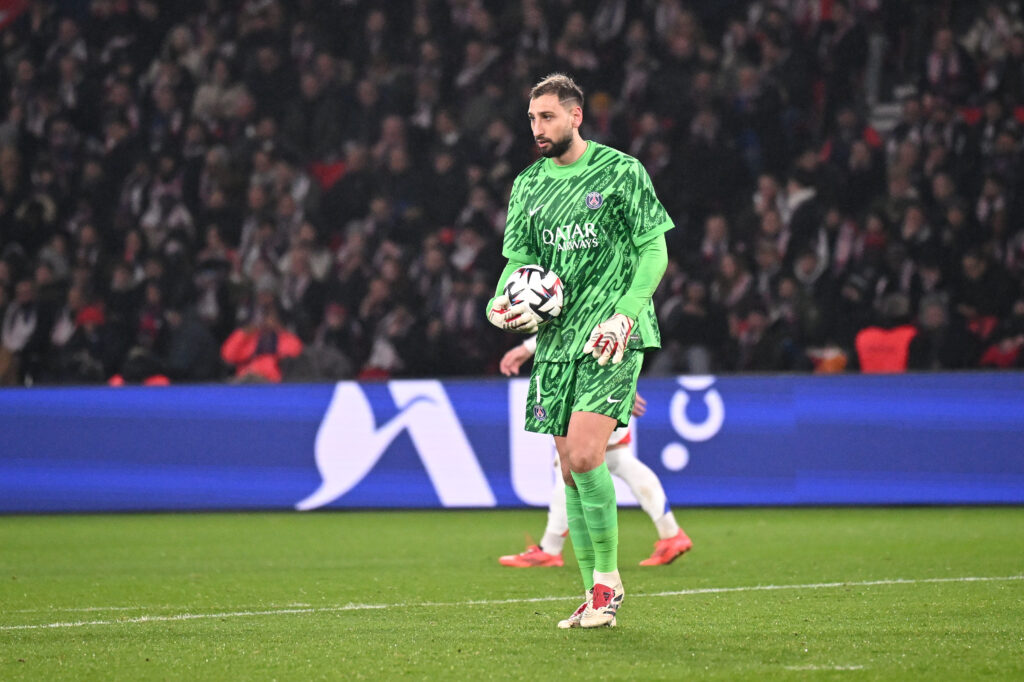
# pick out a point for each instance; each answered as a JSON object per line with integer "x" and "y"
{"x": 251, "y": 569}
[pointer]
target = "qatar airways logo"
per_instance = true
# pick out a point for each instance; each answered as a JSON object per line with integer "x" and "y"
{"x": 572, "y": 237}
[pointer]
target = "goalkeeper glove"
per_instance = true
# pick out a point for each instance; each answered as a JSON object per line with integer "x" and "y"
{"x": 609, "y": 339}
{"x": 515, "y": 318}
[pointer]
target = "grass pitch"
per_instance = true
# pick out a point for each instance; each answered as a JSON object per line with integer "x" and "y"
{"x": 857, "y": 594}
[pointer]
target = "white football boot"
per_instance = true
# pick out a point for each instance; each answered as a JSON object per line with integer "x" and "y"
{"x": 573, "y": 621}
{"x": 601, "y": 609}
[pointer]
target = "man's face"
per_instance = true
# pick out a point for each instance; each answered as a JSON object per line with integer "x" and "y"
{"x": 973, "y": 267}
{"x": 767, "y": 186}
{"x": 911, "y": 110}
{"x": 933, "y": 317}
{"x": 552, "y": 124}
{"x": 1017, "y": 46}
{"x": 806, "y": 264}
{"x": 24, "y": 292}
{"x": 310, "y": 86}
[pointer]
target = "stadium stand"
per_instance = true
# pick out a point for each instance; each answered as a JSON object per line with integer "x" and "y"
{"x": 174, "y": 174}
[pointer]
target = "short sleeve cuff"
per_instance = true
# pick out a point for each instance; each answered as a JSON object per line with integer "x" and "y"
{"x": 653, "y": 232}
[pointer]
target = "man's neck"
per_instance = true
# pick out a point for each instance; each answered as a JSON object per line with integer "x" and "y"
{"x": 573, "y": 153}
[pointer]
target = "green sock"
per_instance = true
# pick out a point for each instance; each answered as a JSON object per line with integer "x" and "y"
{"x": 580, "y": 536}
{"x": 597, "y": 496}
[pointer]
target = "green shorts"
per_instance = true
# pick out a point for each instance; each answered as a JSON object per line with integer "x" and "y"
{"x": 557, "y": 389}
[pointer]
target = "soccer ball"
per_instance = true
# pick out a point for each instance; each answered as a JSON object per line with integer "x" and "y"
{"x": 539, "y": 287}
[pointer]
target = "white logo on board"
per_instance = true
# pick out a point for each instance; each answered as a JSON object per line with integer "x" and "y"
{"x": 349, "y": 443}
{"x": 675, "y": 456}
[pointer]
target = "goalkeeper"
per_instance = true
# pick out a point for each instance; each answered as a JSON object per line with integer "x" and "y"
{"x": 672, "y": 540}
{"x": 590, "y": 214}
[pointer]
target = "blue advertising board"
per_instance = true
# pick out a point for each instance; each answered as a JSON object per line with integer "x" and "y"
{"x": 771, "y": 440}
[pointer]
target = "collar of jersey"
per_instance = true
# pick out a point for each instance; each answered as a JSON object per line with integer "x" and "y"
{"x": 574, "y": 168}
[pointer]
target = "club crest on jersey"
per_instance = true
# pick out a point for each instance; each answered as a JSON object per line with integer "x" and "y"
{"x": 540, "y": 413}
{"x": 594, "y": 201}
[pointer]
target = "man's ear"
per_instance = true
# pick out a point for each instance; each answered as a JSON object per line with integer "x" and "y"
{"x": 577, "y": 117}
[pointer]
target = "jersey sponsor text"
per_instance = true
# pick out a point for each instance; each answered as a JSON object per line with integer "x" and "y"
{"x": 572, "y": 237}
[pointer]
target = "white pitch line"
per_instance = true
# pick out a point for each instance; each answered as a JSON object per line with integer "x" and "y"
{"x": 198, "y": 616}
{"x": 818, "y": 586}
{"x": 93, "y": 609}
{"x": 493, "y": 602}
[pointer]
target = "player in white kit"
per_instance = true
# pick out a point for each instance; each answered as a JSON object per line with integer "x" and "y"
{"x": 672, "y": 540}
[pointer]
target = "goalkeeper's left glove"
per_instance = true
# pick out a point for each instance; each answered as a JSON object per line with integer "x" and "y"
{"x": 609, "y": 339}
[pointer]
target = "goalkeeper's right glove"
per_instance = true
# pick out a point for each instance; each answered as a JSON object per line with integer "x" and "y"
{"x": 515, "y": 318}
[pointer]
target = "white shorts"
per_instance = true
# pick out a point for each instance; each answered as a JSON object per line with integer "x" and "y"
{"x": 620, "y": 436}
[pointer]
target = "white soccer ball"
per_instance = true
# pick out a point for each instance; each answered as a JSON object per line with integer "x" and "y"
{"x": 539, "y": 287}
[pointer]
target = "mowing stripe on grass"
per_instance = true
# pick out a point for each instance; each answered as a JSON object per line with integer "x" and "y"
{"x": 493, "y": 602}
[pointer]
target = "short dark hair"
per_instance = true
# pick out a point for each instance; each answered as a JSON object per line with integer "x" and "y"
{"x": 561, "y": 85}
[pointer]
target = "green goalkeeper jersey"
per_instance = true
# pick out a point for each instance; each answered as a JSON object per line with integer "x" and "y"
{"x": 585, "y": 221}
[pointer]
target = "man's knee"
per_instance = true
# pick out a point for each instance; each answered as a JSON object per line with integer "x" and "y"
{"x": 585, "y": 456}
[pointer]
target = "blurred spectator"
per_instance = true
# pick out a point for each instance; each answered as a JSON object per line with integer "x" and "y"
{"x": 885, "y": 348}
{"x": 755, "y": 344}
{"x": 755, "y": 120}
{"x": 909, "y": 128}
{"x": 1007, "y": 75}
{"x": 192, "y": 352}
{"x": 446, "y": 187}
{"x": 948, "y": 71}
{"x": 302, "y": 294}
{"x": 941, "y": 342}
{"x": 313, "y": 122}
{"x": 23, "y": 335}
{"x": 716, "y": 239}
{"x": 218, "y": 94}
{"x": 733, "y": 284}
{"x": 89, "y": 355}
{"x": 271, "y": 82}
{"x": 343, "y": 334}
{"x": 394, "y": 336}
{"x": 695, "y": 330}
{"x": 989, "y": 37}
{"x": 842, "y": 51}
{"x": 1007, "y": 349}
{"x": 797, "y": 323}
{"x": 256, "y": 349}
{"x": 805, "y": 211}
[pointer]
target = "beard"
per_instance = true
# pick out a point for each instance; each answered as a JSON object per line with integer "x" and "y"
{"x": 557, "y": 147}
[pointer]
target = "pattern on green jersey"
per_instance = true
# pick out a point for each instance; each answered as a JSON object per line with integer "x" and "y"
{"x": 585, "y": 222}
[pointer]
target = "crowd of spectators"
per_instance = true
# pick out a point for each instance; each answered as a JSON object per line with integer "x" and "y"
{"x": 208, "y": 190}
